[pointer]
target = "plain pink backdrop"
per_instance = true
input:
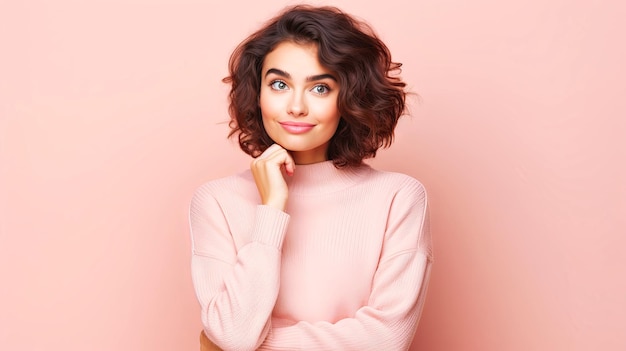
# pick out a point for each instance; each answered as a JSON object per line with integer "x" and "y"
{"x": 112, "y": 113}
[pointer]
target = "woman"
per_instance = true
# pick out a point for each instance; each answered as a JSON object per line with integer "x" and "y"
{"x": 311, "y": 249}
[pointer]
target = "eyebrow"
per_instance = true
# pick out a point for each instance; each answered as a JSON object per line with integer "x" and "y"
{"x": 308, "y": 79}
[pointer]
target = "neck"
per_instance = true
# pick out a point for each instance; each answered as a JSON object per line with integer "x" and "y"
{"x": 323, "y": 177}
{"x": 308, "y": 157}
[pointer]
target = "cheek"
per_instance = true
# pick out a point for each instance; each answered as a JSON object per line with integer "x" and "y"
{"x": 264, "y": 108}
{"x": 269, "y": 107}
{"x": 329, "y": 114}
{"x": 268, "y": 113}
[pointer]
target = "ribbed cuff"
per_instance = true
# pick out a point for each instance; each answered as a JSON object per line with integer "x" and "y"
{"x": 270, "y": 226}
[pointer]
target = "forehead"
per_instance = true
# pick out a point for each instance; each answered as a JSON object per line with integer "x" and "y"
{"x": 294, "y": 58}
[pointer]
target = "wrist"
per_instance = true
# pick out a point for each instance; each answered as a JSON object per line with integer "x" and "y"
{"x": 276, "y": 203}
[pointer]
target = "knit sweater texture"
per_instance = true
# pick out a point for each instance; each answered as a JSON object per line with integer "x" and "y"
{"x": 344, "y": 267}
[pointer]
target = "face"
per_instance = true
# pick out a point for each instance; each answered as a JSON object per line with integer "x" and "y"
{"x": 298, "y": 101}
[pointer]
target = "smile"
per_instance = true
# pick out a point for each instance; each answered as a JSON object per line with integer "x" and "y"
{"x": 296, "y": 127}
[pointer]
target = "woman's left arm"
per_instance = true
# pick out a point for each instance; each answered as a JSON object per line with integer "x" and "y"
{"x": 389, "y": 320}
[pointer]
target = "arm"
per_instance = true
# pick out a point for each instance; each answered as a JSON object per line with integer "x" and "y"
{"x": 389, "y": 319}
{"x": 230, "y": 283}
{"x": 237, "y": 288}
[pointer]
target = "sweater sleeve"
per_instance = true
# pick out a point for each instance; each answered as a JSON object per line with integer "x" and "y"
{"x": 231, "y": 282}
{"x": 389, "y": 319}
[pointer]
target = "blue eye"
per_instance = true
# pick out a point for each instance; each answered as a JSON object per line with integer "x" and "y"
{"x": 278, "y": 85}
{"x": 321, "y": 89}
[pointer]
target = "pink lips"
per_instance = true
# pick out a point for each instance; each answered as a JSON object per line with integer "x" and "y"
{"x": 297, "y": 127}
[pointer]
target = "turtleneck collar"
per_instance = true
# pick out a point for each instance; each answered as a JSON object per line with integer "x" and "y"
{"x": 324, "y": 177}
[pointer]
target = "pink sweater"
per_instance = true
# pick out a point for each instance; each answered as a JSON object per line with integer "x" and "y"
{"x": 345, "y": 267}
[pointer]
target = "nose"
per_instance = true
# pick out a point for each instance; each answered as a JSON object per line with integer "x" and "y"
{"x": 297, "y": 105}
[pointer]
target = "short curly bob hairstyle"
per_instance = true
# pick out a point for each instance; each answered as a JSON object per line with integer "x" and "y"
{"x": 371, "y": 99}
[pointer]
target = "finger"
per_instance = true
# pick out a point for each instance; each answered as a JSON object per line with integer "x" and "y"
{"x": 280, "y": 156}
{"x": 271, "y": 150}
{"x": 290, "y": 164}
{"x": 283, "y": 158}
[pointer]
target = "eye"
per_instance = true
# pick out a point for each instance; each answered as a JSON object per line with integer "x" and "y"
{"x": 278, "y": 85}
{"x": 321, "y": 89}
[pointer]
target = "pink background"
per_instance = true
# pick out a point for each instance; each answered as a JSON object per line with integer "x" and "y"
{"x": 112, "y": 113}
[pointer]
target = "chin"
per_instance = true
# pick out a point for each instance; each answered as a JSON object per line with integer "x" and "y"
{"x": 293, "y": 145}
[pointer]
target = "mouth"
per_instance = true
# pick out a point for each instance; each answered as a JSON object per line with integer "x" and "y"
{"x": 296, "y": 127}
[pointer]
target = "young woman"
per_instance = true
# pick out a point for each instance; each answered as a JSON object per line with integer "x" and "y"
{"x": 311, "y": 249}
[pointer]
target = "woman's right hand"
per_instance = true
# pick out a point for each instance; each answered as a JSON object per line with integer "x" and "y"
{"x": 267, "y": 172}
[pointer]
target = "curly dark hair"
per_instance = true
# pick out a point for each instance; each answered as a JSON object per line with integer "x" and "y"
{"x": 370, "y": 100}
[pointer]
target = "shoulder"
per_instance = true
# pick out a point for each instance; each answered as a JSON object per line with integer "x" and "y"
{"x": 407, "y": 216}
{"x": 236, "y": 185}
{"x": 397, "y": 183}
{"x": 227, "y": 183}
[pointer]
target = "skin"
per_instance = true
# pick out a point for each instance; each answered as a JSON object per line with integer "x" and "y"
{"x": 298, "y": 101}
